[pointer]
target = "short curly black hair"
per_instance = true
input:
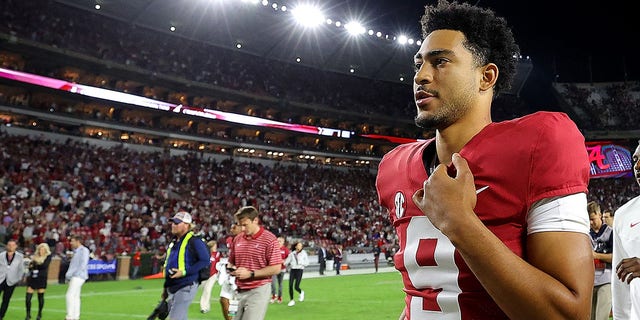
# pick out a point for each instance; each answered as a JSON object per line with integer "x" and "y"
{"x": 488, "y": 36}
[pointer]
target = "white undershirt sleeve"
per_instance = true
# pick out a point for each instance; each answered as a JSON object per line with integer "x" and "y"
{"x": 566, "y": 213}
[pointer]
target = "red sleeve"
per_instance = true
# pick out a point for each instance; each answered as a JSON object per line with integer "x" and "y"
{"x": 560, "y": 164}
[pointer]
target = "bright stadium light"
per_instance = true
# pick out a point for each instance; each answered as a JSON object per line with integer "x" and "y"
{"x": 265, "y": 3}
{"x": 307, "y": 15}
{"x": 402, "y": 39}
{"x": 355, "y": 28}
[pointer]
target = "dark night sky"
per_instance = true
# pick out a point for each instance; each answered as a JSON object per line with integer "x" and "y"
{"x": 577, "y": 41}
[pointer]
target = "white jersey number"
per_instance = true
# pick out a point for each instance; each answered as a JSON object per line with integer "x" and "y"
{"x": 429, "y": 260}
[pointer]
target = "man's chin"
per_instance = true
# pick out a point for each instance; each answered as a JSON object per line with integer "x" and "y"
{"x": 427, "y": 123}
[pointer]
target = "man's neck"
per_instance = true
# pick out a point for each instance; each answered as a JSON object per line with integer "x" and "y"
{"x": 454, "y": 137}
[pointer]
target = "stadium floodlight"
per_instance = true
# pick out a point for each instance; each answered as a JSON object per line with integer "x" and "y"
{"x": 172, "y": 28}
{"x": 97, "y": 6}
{"x": 265, "y": 2}
{"x": 378, "y": 34}
{"x": 410, "y": 41}
{"x": 402, "y": 39}
{"x": 251, "y": 1}
{"x": 308, "y": 15}
{"x": 370, "y": 32}
{"x": 355, "y": 28}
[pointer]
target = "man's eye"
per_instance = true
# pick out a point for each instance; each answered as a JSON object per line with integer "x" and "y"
{"x": 439, "y": 61}
{"x": 416, "y": 66}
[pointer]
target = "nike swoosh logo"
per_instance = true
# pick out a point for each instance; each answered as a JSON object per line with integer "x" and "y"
{"x": 482, "y": 189}
{"x": 634, "y": 224}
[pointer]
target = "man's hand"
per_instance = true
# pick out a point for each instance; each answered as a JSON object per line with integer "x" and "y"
{"x": 242, "y": 273}
{"x": 175, "y": 273}
{"x": 628, "y": 269}
{"x": 448, "y": 201}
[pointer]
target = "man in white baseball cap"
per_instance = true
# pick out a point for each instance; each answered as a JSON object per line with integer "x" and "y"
{"x": 182, "y": 216}
{"x": 184, "y": 260}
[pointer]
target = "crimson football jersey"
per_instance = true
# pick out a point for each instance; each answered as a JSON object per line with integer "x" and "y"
{"x": 514, "y": 163}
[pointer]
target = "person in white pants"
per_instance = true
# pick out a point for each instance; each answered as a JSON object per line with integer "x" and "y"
{"x": 76, "y": 276}
{"x": 205, "y": 299}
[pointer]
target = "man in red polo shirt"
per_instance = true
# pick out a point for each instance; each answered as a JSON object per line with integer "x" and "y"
{"x": 255, "y": 256}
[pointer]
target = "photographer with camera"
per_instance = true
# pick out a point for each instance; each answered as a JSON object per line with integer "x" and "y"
{"x": 186, "y": 256}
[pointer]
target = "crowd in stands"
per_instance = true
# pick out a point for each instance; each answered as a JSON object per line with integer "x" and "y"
{"x": 612, "y": 106}
{"x": 120, "y": 199}
{"x": 612, "y": 193}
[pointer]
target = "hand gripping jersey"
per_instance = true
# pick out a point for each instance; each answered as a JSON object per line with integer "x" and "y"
{"x": 514, "y": 163}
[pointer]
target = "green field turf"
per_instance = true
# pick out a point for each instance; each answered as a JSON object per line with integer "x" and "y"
{"x": 363, "y": 296}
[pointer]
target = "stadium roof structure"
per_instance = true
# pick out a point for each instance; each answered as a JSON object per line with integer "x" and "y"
{"x": 265, "y": 29}
{"x": 268, "y": 33}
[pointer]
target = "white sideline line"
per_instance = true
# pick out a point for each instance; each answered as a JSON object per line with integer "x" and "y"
{"x": 108, "y": 293}
{"x": 87, "y": 314}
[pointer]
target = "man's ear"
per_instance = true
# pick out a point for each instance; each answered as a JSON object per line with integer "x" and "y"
{"x": 489, "y": 76}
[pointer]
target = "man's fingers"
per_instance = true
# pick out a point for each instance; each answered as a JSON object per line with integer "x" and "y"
{"x": 419, "y": 195}
{"x": 461, "y": 165}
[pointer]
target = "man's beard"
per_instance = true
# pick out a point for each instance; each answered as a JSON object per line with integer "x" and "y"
{"x": 447, "y": 114}
{"x": 442, "y": 118}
